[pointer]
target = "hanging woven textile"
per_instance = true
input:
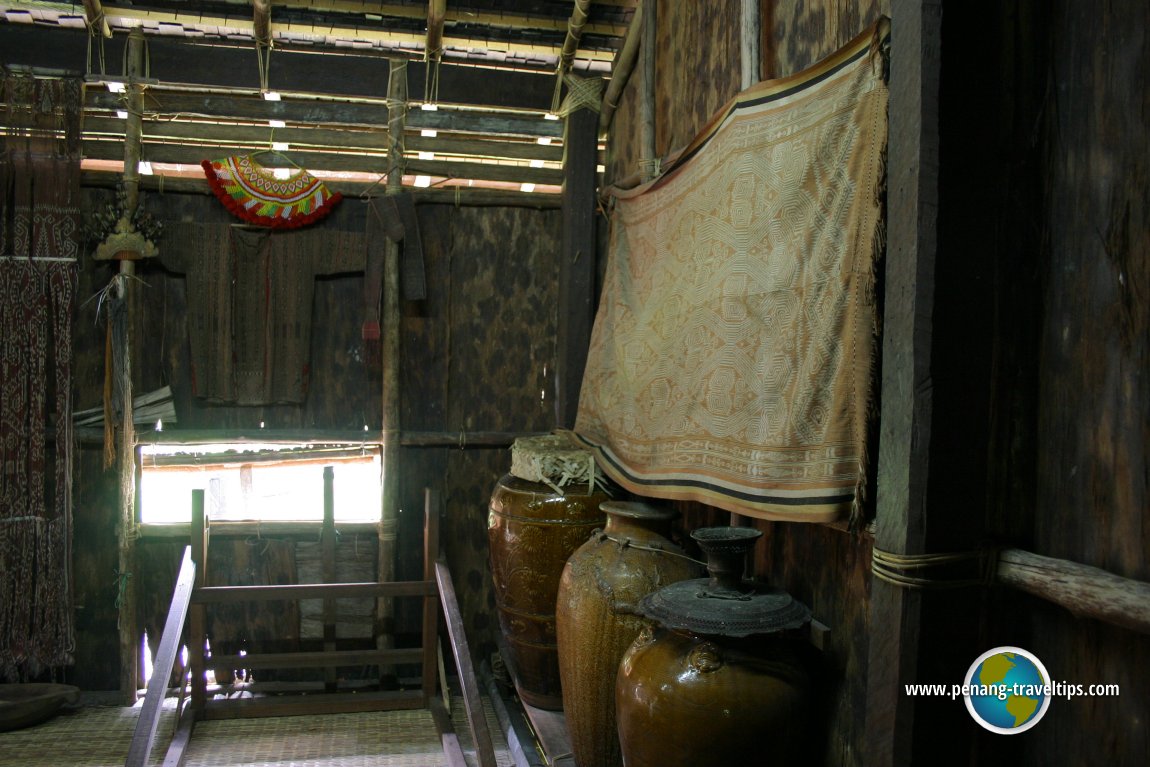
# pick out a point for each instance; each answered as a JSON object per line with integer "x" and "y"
{"x": 39, "y": 244}
{"x": 254, "y": 194}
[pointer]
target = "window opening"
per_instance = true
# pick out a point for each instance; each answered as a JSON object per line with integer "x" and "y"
{"x": 258, "y": 481}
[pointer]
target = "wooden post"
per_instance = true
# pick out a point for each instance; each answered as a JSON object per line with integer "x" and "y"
{"x": 647, "y": 146}
{"x": 749, "y": 30}
{"x": 905, "y": 425}
{"x": 577, "y": 265}
{"x": 389, "y": 518}
{"x": 327, "y": 555}
{"x": 125, "y": 449}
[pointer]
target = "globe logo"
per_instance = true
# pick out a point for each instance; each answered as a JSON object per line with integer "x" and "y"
{"x": 1007, "y": 690}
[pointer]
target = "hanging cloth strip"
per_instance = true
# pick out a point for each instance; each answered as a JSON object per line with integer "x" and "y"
{"x": 252, "y": 193}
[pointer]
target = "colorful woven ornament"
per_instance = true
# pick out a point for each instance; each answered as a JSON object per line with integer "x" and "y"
{"x": 254, "y": 194}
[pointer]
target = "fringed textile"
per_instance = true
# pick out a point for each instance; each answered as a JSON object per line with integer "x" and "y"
{"x": 39, "y": 219}
{"x": 731, "y": 358}
{"x": 36, "y": 302}
{"x": 253, "y": 194}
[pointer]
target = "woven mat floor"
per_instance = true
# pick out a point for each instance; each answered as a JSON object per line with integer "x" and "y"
{"x": 98, "y": 736}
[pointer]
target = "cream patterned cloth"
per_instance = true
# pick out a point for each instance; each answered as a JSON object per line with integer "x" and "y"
{"x": 732, "y": 356}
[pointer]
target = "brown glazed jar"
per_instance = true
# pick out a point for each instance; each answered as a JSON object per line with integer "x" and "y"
{"x": 597, "y": 620}
{"x": 532, "y": 529}
{"x": 722, "y": 680}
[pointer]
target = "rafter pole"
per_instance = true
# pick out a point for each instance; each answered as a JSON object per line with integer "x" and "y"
{"x": 648, "y": 160}
{"x": 262, "y": 22}
{"x": 621, "y": 70}
{"x": 94, "y": 14}
{"x": 570, "y": 47}
{"x": 436, "y": 12}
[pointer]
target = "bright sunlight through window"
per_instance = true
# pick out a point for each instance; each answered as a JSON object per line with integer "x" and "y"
{"x": 266, "y": 482}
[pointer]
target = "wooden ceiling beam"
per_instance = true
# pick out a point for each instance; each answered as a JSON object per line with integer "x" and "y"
{"x": 503, "y": 19}
{"x": 161, "y": 104}
{"x": 470, "y": 196}
{"x": 209, "y": 134}
{"x": 362, "y": 162}
{"x": 350, "y": 32}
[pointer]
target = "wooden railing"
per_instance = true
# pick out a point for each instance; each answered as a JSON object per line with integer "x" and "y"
{"x": 145, "y": 734}
{"x": 193, "y": 596}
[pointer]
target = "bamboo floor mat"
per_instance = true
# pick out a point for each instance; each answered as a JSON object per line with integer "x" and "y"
{"x": 98, "y": 736}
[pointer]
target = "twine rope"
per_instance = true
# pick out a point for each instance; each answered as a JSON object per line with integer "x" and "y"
{"x": 891, "y": 567}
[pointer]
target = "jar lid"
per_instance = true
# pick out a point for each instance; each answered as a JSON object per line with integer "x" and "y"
{"x": 638, "y": 510}
{"x": 690, "y": 606}
{"x": 725, "y": 604}
{"x": 554, "y": 460}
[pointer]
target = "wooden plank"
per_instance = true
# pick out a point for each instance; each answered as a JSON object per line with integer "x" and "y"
{"x": 577, "y": 263}
{"x": 291, "y": 591}
{"x": 326, "y": 659}
{"x": 464, "y": 439}
{"x": 178, "y": 748}
{"x": 468, "y": 684}
{"x": 1083, "y": 590}
{"x": 144, "y": 736}
{"x": 309, "y": 705}
{"x": 905, "y": 426}
{"x": 452, "y": 750}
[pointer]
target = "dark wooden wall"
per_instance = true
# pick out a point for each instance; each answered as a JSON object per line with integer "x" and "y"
{"x": 697, "y": 71}
{"x": 476, "y": 355}
{"x": 1069, "y": 232}
{"x": 1039, "y": 331}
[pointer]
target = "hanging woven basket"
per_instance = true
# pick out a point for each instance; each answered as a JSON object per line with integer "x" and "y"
{"x": 253, "y": 194}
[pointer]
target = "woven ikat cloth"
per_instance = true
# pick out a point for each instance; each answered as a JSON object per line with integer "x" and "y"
{"x": 732, "y": 354}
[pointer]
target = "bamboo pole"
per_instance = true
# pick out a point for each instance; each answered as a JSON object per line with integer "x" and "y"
{"x": 648, "y": 160}
{"x": 570, "y": 46}
{"x": 389, "y": 518}
{"x": 1088, "y": 592}
{"x": 621, "y": 70}
{"x": 749, "y": 63}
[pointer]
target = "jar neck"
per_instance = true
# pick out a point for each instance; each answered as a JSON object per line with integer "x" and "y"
{"x": 638, "y": 530}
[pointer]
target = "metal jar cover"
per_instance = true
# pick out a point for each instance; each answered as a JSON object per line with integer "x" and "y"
{"x": 532, "y": 530}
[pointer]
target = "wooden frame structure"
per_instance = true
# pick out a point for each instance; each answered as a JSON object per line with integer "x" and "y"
{"x": 192, "y": 597}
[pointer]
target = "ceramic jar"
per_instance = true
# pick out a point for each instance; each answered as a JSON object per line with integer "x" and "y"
{"x": 722, "y": 680}
{"x": 597, "y": 620}
{"x": 532, "y": 530}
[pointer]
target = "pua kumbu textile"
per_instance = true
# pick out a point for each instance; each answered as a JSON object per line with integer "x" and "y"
{"x": 39, "y": 219}
{"x": 253, "y": 193}
{"x": 731, "y": 357}
{"x": 250, "y": 304}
